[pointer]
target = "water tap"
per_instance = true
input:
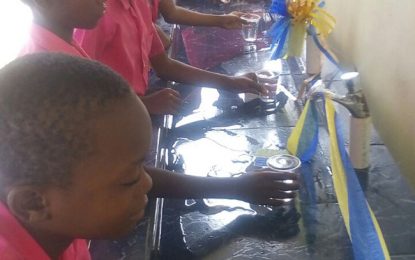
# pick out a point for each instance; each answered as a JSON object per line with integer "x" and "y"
{"x": 354, "y": 100}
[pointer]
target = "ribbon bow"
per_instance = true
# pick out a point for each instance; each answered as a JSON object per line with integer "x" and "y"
{"x": 293, "y": 20}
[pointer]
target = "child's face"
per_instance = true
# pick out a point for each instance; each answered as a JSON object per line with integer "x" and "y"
{"x": 82, "y": 14}
{"x": 107, "y": 196}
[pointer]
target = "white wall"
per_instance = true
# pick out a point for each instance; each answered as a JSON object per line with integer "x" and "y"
{"x": 15, "y": 20}
{"x": 378, "y": 37}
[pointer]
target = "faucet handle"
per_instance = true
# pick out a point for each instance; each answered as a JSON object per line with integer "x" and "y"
{"x": 355, "y": 102}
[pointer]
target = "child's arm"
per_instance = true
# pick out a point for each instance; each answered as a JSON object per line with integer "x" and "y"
{"x": 179, "y": 15}
{"x": 165, "y": 39}
{"x": 162, "y": 102}
{"x": 263, "y": 187}
{"x": 169, "y": 69}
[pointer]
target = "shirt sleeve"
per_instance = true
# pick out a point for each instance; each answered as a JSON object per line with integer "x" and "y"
{"x": 78, "y": 250}
{"x": 155, "y": 10}
{"x": 156, "y": 44}
{"x": 94, "y": 41}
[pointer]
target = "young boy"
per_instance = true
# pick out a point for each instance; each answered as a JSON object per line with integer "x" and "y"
{"x": 125, "y": 39}
{"x": 54, "y": 22}
{"x": 73, "y": 137}
{"x": 255, "y": 188}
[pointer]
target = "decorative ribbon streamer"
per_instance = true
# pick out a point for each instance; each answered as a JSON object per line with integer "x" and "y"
{"x": 361, "y": 224}
{"x": 329, "y": 55}
{"x": 293, "y": 20}
{"x": 306, "y": 129}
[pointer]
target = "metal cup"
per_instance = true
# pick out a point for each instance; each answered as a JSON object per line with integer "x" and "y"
{"x": 285, "y": 163}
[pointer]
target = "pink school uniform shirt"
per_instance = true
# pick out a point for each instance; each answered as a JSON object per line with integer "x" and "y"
{"x": 43, "y": 40}
{"x": 124, "y": 39}
{"x": 17, "y": 244}
{"x": 155, "y": 9}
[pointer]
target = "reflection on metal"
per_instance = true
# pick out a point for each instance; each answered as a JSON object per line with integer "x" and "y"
{"x": 354, "y": 102}
{"x": 349, "y": 75}
{"x": 230, "y": 116}
{"x": 155, "y": 208}
{"x": 152, "y": 249}
{"x": 306, "y": 83}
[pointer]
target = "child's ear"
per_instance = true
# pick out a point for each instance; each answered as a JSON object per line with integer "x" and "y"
{"x": 28, "y": 204}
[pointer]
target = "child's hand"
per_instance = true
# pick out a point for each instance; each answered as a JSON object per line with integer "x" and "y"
{"x": 165, "y": 39}
{"x": 163, "y": 102}
{"x": 266, "y": 187}
{"x": 232, "y": 21}
{"x": 247, "y": 83}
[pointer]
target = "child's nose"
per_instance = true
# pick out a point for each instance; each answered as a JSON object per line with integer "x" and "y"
{"x": 147, "y": 183}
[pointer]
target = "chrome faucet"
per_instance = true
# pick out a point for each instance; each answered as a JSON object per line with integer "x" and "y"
{"x": 360, "y": 127}
{"x": 355, "y": 102}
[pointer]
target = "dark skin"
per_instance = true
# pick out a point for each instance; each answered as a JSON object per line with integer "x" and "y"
{"x": 179, "y": 15}
{"x": 260, "y": 187}
{"x": 61, "y": 17}
{"x": 53, "y": 13}
{"x": 110, "y": 188}
{"x": 170, "y": 98}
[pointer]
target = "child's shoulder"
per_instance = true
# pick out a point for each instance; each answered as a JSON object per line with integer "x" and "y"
{"x": 7, "y": 251}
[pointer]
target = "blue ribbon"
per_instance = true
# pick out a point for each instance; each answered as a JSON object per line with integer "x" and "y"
{"x": 365, "y": 239}
{"x": 312, "y": 31}
{"x": 279, "y": 35}
{"x": 279, "y": 7}
{"x": 366, "y": 244}
{"x": 280, "y": 30}
{"x": 307, "y": 149}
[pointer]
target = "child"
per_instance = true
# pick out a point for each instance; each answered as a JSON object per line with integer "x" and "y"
{"x": 54, "y": 21}
{"x": 126, "y": 40}
{"x": 51, "y": 31}
{"x": 179, "y": 15}
{"x": 73, "y": 137}
{"x": 166, "y": 184}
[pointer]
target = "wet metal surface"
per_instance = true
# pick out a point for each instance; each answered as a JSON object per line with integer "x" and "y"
{"x": 219, "y": 137}
{"x": 313, "y": 229}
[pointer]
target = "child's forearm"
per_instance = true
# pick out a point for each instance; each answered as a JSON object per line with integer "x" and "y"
{"x": 261, "y": 187}
{"x": 173, "y": 70}
{"x": 165, "y": 39}
{"x": 173, "y": 185}
{"x": 188, "y": 17}
{"x": 176, "y": 14}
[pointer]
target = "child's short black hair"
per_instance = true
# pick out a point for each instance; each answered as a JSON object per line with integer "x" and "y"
{"x": 46, "y": 102}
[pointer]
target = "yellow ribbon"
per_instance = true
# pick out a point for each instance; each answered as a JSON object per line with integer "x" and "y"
{"x": 341, "y": 181}
{"x": 340, "y": 178}
{"x": 304, "y": 13}
{"x": 308, "y": 12}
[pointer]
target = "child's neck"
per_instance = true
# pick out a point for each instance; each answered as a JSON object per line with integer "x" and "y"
{"x": 62, "y": 32}
{"x": 52, "y": 244}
